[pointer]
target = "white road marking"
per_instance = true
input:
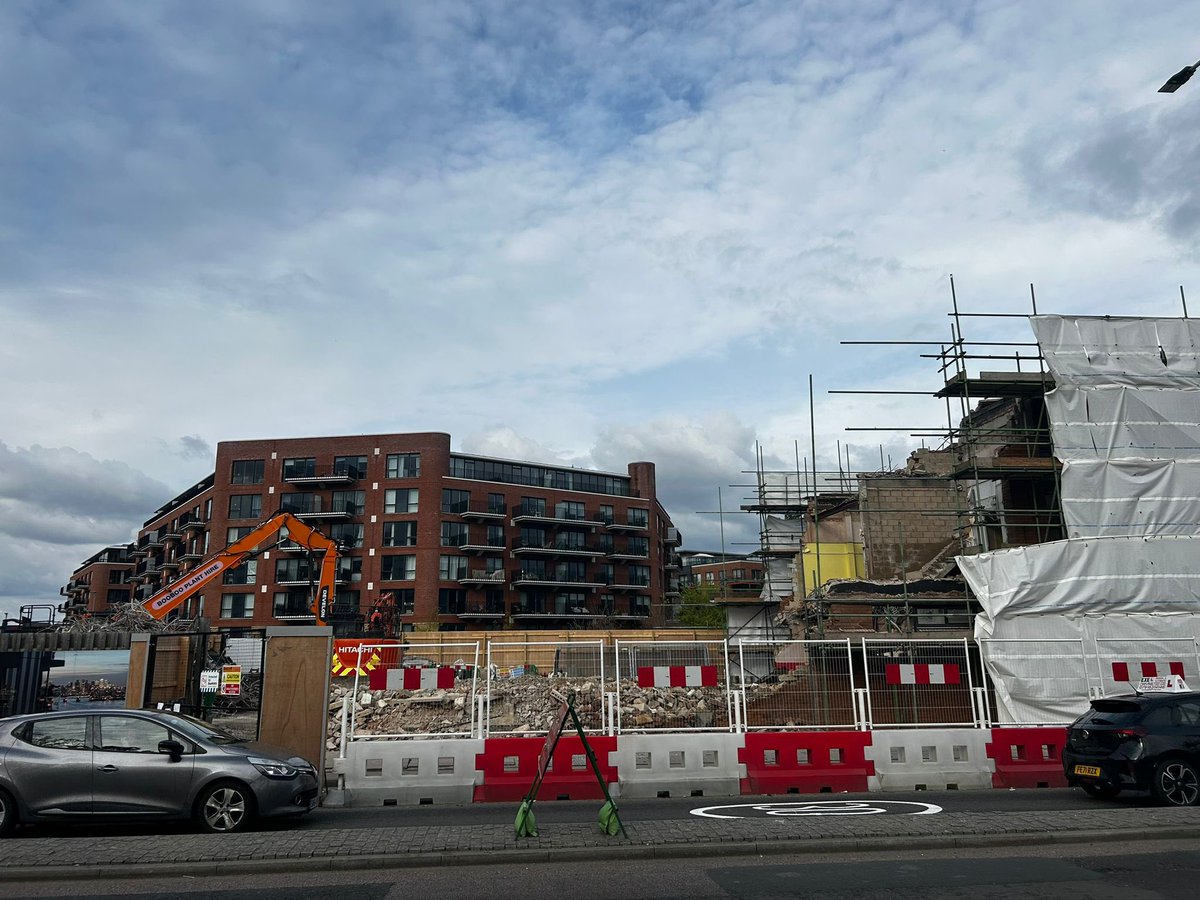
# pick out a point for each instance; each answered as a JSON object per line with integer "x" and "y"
{"x": 819, "y": 808}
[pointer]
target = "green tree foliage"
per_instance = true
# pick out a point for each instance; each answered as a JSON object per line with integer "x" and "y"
{"x": 696, "y": 609}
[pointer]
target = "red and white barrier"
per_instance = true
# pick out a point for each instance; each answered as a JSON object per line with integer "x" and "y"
{"x": 677, "y": 676}
{"x": 413, "y": 678}
{"x": 922, "y": 673}
{"x": 1120, "y": 670}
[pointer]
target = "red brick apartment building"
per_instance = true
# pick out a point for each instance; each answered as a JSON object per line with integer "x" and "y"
{"x": 451, "y": 540}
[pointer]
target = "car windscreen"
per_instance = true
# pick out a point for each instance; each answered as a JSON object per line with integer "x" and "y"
{"x": 1113, "y": 712}
{"x": 201, "y": 730}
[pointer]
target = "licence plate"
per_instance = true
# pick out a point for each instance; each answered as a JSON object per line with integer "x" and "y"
{"x": 1093, "y": 771}
{"x": 312, "y": 804}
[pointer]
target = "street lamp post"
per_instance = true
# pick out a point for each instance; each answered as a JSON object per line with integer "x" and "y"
{"x": 1176, "y": 81}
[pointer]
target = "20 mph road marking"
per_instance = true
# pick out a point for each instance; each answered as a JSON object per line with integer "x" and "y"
{"x": 817, "y": 808}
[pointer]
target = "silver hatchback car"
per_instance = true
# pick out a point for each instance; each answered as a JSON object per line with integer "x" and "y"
{"x": 137, "y": 763}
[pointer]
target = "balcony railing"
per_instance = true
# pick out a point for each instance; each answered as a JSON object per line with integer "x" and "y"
{"x": 483, "y": 576}
{"x": 486, "y": 610}
{"x": 534, "y": 577}
{"x": 190, "y": 521}
{"x": 481, "y": 511}
{"x": 333, "y": 477}
{"x": 533, "y": 513}
{"x": 630, "y": 524}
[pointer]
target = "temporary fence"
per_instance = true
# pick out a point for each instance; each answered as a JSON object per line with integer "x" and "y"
{"x": 412, "y": 688}
{"x": 528, "y": 680}
{"x": 673, "y": 686}
{"x": 400, "y": 690}
{"x": 796, "y": 684}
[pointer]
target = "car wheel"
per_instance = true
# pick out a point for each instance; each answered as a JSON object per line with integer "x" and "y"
{"x": 1100, "y": 789}
{"x": 8, "y": 813}
{"x": 224, "y": 807}
{"x": 1176, "y": 783}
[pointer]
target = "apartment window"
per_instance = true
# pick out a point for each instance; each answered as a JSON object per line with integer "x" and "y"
{"x": 349, "y": 568}
{"x": 493, "y": 601}
{"x": 604, "y": 573}
{"x": 403, "y": 465}
{"x": 300, "y": 502}
{"x": 532, "y": 537}
{"x": 237, "y": 606}
{"x": 236, "y": 533}
{"x": 305, "y": 467}
{"x": 403, "y": 500}
{"x": 247, "y": 471}
{"x": 639, "y": 575}
{"x": 571, "y": 540}
{"x": 639, "y": 516}
{"x": 606, "y": 543}
{"x": 287, "y": 570}
{"x": 739, "y": 574}
{"x": 347, "y": 534}
{"x": 403, "y": 599}
{"x": 452, "y": 568}
{"x": 292, "y": 605}
{"x": 208, "y": 509}
{"x": 493, "y": 564}
{"x": 455, "y": 501}
{"x": 569, "y": 509}
{"x": 346, "y": 603}
{"x": 354, "y": 466}
{"x": 606, "y": 514}
{"x": 245, "y": 506}
{"x": 352, "y": 502}
{"x": 533, "y": 506}
{"x": 496, "y": 503}
{"x": 452, "y": 601}
{"x": 570, "y": 571}
{"x": 639, "y": 546}
{"x": 243, "y": 574}
{"x": 117, "y": 595}
{"x": 571, "y": 602}
{"x": 398, "y": 567}
{"x": 117, "y": 576}
{"x": 399, "y": 534}
{"x": 533, "y": 569}
{"x": 495, "y": 535}
{"x": 454, "y": 534}
{"x": 709, "y": 577}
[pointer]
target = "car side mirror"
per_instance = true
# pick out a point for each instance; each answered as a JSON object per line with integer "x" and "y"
{"x": 174, "y": 749}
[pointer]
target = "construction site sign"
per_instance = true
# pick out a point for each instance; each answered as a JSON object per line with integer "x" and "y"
{"x": 231, "y": 681}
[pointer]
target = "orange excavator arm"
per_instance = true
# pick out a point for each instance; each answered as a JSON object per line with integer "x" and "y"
{"x": 160, "y": 604}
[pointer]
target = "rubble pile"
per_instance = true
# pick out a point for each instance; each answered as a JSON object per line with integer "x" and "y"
{"x": 525, "y": 705}
{"x": 131, "y": 617}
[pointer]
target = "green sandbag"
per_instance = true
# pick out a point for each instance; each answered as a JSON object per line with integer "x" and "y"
{"x": 609, "y": 822}
{"x": 526, "y": 824}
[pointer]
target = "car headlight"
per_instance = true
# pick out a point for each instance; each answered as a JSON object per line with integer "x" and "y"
{"x": 272, "y": 768}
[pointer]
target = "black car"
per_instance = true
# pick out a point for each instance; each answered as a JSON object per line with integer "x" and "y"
{"x": 1138, "y": 742}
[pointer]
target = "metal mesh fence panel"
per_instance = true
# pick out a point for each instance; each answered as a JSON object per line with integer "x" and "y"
{"x": 795, "y": 684}
{"x": 673, "y": 686}
{"x": 1038, "y": 682}
{"x": 1123, "y": 663}
{"x": 528, "y": 680}
{"x": 917, "y": 683}
{"x": 414, "y": 690}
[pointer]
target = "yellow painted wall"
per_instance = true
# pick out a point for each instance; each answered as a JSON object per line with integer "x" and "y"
{"x": 838, "y": 560}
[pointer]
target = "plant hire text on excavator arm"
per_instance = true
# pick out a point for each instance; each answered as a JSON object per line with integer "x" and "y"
{"x": 160, "y": 604}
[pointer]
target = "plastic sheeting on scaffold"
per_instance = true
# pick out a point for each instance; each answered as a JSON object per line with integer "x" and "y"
{"x": 810, "y": 762}
{"x": 676, "y": 676}
{"x": 569, "y": 776}
{"x": 1028, "y": 757}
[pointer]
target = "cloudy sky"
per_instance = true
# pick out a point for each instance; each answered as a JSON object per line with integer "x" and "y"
{"x": 564, "y": 231}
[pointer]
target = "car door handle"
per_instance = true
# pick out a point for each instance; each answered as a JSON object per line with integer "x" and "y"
{"x": 108, "y": 768}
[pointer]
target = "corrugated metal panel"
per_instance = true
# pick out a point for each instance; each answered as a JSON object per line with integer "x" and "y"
{"x": 100, "y": 640}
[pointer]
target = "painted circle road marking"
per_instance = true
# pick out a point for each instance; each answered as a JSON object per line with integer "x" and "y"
{"x": 817, "y": 808}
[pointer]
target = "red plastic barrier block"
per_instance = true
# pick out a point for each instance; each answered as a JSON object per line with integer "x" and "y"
{"x": 813, "y": 762}
{"x": 509, "y": 765}
{"x": 1027, "y": 757}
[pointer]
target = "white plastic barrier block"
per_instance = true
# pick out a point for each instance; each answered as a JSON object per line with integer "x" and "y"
{"x": 933, "y": 759}
{"x": 678, "y": 765}
{"x": 410, "y": 773}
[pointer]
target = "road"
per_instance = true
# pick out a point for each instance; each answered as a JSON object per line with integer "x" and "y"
{"x": 554, "y": 812}
{"x": 1140, "y": 872}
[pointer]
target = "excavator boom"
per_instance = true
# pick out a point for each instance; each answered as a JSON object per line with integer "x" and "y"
{"x": 160, "y": 604}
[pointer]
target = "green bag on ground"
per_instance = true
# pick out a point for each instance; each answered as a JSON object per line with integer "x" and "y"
{"x": 609, "y": 823}
{"x": 526, "y": 824}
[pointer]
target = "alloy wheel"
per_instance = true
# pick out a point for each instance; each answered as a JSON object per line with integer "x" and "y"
{"x": 1178, "y": 784}
{"x": 225, "y": 809}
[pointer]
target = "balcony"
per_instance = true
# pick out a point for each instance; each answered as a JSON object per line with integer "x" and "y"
{"x": 482, "y": 576}
{"x": 189, "y": 522}
{"x": 672, "y": 537}
{"x": 628, "y": 525}
{"x": 338, "y": 476}
{"x": 521, "y": 577}
{"x": 523, "y": 513}
{"x": 171, "y": 565}
{"x": 318, "y": 510}
{"x": 294, "y": 609}
{"x": 154, "y": 541}
{"x": 493, "y": 546}
{"x": 555, "y": 608}
{"x": 630, "y": 583}
{"x": 485, "y": 610}
{"x": 172, "y": 535}
{"x": 190, "y": 556}
{"x": 554, "y": 548}
{"x": 490, "y": 513}
{"x": 628, "y": 554}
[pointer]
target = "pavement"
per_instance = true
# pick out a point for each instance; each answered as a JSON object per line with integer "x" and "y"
{"x": 293, "y": 847}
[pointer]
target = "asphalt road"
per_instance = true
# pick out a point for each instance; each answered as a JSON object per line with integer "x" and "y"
{"x": 1139, "y": 872}
{"x": 584, "y": 811}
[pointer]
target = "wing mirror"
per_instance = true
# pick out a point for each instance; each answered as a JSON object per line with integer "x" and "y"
{"x": 174, "y": 749}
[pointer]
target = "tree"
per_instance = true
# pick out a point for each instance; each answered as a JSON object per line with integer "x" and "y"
{"x": 696, "y": 609}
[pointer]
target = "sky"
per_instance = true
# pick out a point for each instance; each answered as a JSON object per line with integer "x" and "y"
{"x": 568, "y": 232}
